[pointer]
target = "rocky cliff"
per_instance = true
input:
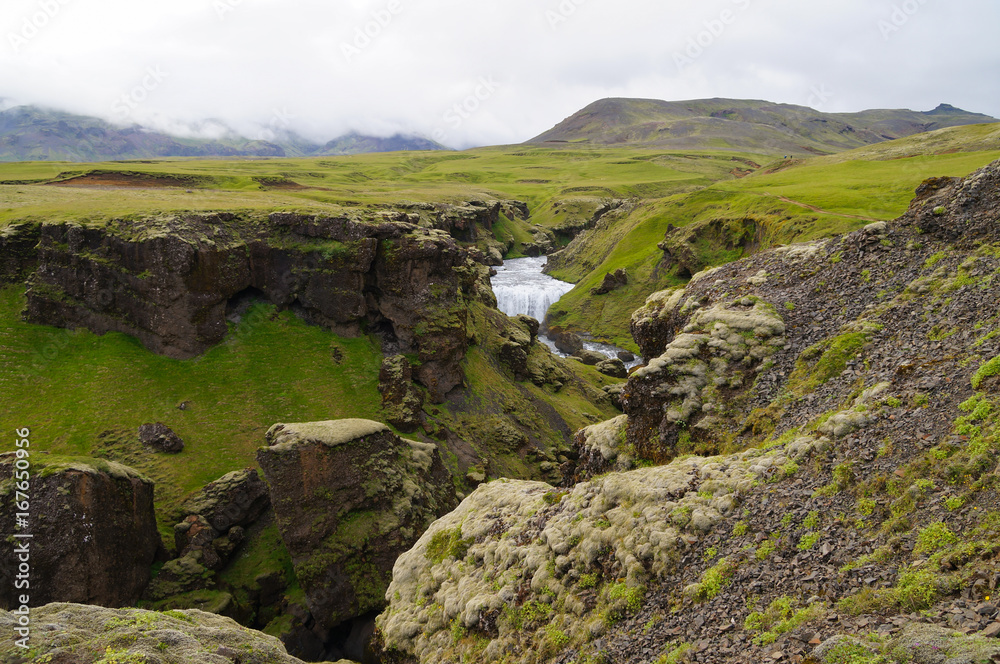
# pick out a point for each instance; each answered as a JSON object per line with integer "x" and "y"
{"x": 350, "y": 496}
{"x": 807, "y": 471}
{"x": 174, "y": 281}
{"x": 93, "y": 530}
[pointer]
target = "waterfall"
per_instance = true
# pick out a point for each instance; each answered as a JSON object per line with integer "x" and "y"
{"x": 521, "y": 288}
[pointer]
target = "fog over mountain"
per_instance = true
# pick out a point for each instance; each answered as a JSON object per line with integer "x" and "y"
{"x": 466, "y": 74}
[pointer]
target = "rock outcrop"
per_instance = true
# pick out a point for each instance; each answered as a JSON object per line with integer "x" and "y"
{"x": 75, "y": 634}
{"x": 212, "y": 527}
{"x": 402, "y": 401}
{"x": 18, "y": 257}
{"x": 701, "y": 372}
{"x": 172, "y": 282}
{"x": 349, "y": 497}
{"x": 612, "y": 281}
{"x": 94, "y": 531}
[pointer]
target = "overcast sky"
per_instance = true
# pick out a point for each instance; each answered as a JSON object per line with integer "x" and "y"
{"x": 483, "y": 72}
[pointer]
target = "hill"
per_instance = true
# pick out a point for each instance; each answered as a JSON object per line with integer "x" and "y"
{"x": 30, "y": 133}
{"x": 750, "y": 125}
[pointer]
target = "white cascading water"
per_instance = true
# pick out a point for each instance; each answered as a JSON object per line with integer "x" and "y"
{"x": 521, "y": 288}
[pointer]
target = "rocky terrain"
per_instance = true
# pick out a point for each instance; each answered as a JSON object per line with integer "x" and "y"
{"x": 803, "y": 469}
{"x": 806, "y": 471}
{"x": 350, "y": 496}
{"x": 339, "y": 508}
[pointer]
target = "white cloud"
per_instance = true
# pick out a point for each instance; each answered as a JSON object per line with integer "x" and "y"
{"x": 402, "y": 65}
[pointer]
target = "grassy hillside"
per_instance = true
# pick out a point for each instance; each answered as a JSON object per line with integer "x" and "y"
{"x": 773, "y": 200}
{"x": 746, "y": 125}
{"x": 792, "y": 201}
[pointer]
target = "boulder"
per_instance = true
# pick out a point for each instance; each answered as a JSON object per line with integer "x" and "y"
{"x": 350, "y": 496}
{"x": 73, "y": 633}
{"x": 626, "y": 356}
{"x": 94, "y": 529}
{"x": 590, "y": 357}
{"x": 238, "y": 498}
{"x": 613, "y": 367}
{"x": 159, "y": 437}
{"x": 566, "y": 341}
{"x": 612, "y": 281}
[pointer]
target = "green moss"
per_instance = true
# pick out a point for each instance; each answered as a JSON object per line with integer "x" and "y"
{"x": 987, "y": 370}
{"x": 448, "y": 544}
{"x": 675, "y": 655}
{"x": 808, "y": 541}
{"x": 780, "y": 617}
{"x": 934, "y": 259}
{"x": 934, "y": 537}
{"x": 831, "y": 357}
{"x": 714, "y": 579}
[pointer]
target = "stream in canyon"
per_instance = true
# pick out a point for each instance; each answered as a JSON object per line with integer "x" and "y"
{"x": 522, "y": 288}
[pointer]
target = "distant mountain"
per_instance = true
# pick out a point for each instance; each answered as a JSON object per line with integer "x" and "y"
{"x": 751, "y": 125}
{"x": 30, "y": 133}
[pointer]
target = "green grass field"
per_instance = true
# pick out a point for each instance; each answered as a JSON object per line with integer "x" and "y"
{"x": 72, "y": 386}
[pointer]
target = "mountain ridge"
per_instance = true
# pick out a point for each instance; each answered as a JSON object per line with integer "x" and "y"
{"x": 33, "y": 133}
{"x": 739, "y": 124}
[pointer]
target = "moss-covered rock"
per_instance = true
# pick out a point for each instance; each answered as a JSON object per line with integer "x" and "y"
{"x": 518, "y": 559}
{"x": 687, "y": 390}
{"x": 402, "y": 401}
{"x": 349, "y": 497}
{"x": 79, "y": 634}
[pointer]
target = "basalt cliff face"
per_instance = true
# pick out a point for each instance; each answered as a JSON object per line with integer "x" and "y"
{"x": 806, "y": 471}
{"x": 172, "y": 282}
{"x": 93, "y": 531}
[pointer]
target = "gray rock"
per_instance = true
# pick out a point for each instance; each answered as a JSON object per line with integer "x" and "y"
{"x": 613, "y": 367}
{"x": 77, "y": 633}
{"x": 160, "y": 438}
{"x": 350, "y": 496}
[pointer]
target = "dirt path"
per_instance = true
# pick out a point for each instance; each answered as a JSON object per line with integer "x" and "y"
{"x": 821, "y": 210}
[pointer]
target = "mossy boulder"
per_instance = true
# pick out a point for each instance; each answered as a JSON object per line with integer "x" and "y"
{"x": 517, "y": 559}
{"x": 685, "y": 391}
{"x": 94, "y": 530}
{"x": 79, "y": 634}
{"x": 238, "y": 498}
{"x": 349, "y": 497}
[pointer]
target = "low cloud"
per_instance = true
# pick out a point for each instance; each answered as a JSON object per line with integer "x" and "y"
{"x": 387, "y": 66}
